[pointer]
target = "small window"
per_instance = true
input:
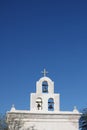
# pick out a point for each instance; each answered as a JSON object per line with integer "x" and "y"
{"x": 45, "y": 87}
{"x": 50, "y": 104}
{"x": 39, "y": 103}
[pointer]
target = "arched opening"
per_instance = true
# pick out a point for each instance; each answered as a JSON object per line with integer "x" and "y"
{"x": 39, "y": 103}
{"x": 45, "y": 87}
{"x": 50, "y": 104}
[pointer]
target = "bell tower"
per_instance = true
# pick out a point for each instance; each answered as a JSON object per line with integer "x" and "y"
{"x": 44, "y": 113}
{"x": 44, "y": 100}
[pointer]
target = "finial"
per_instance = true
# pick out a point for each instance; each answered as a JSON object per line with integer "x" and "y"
{"x": 75, "y": 107}
{"x": 13, "y": 108}
{"x": 75, "y": 110}
{"x": 44, "y": 72}
{"x": 13, "y": 105}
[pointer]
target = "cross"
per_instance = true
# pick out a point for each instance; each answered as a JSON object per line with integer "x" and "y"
{"x": 44, "y": 72}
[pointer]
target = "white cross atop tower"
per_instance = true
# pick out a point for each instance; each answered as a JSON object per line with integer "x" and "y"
{"x": 44, "y": 72}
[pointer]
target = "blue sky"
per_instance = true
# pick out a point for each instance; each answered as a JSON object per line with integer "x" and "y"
{"x": 42, "y": 34}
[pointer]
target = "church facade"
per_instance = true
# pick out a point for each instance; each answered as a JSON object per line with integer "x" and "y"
{"x": 44, "y": 113}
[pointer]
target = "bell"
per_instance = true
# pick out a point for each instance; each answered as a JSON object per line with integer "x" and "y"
{"x": 38, "y": 105}
{"x": 45, "y": 83}
{"x": 50, "y": 106}
{"x": 45, "y": 89}
{"x": 51, "y": 102}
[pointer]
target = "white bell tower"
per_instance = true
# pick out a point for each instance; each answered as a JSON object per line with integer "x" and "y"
{"x": 44, "y": 100}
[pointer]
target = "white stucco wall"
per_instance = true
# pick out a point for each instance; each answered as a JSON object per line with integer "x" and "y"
{"x": 46, "y": 121}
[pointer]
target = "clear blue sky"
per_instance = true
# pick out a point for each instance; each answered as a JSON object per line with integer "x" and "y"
{"x": 38, "y": 34}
